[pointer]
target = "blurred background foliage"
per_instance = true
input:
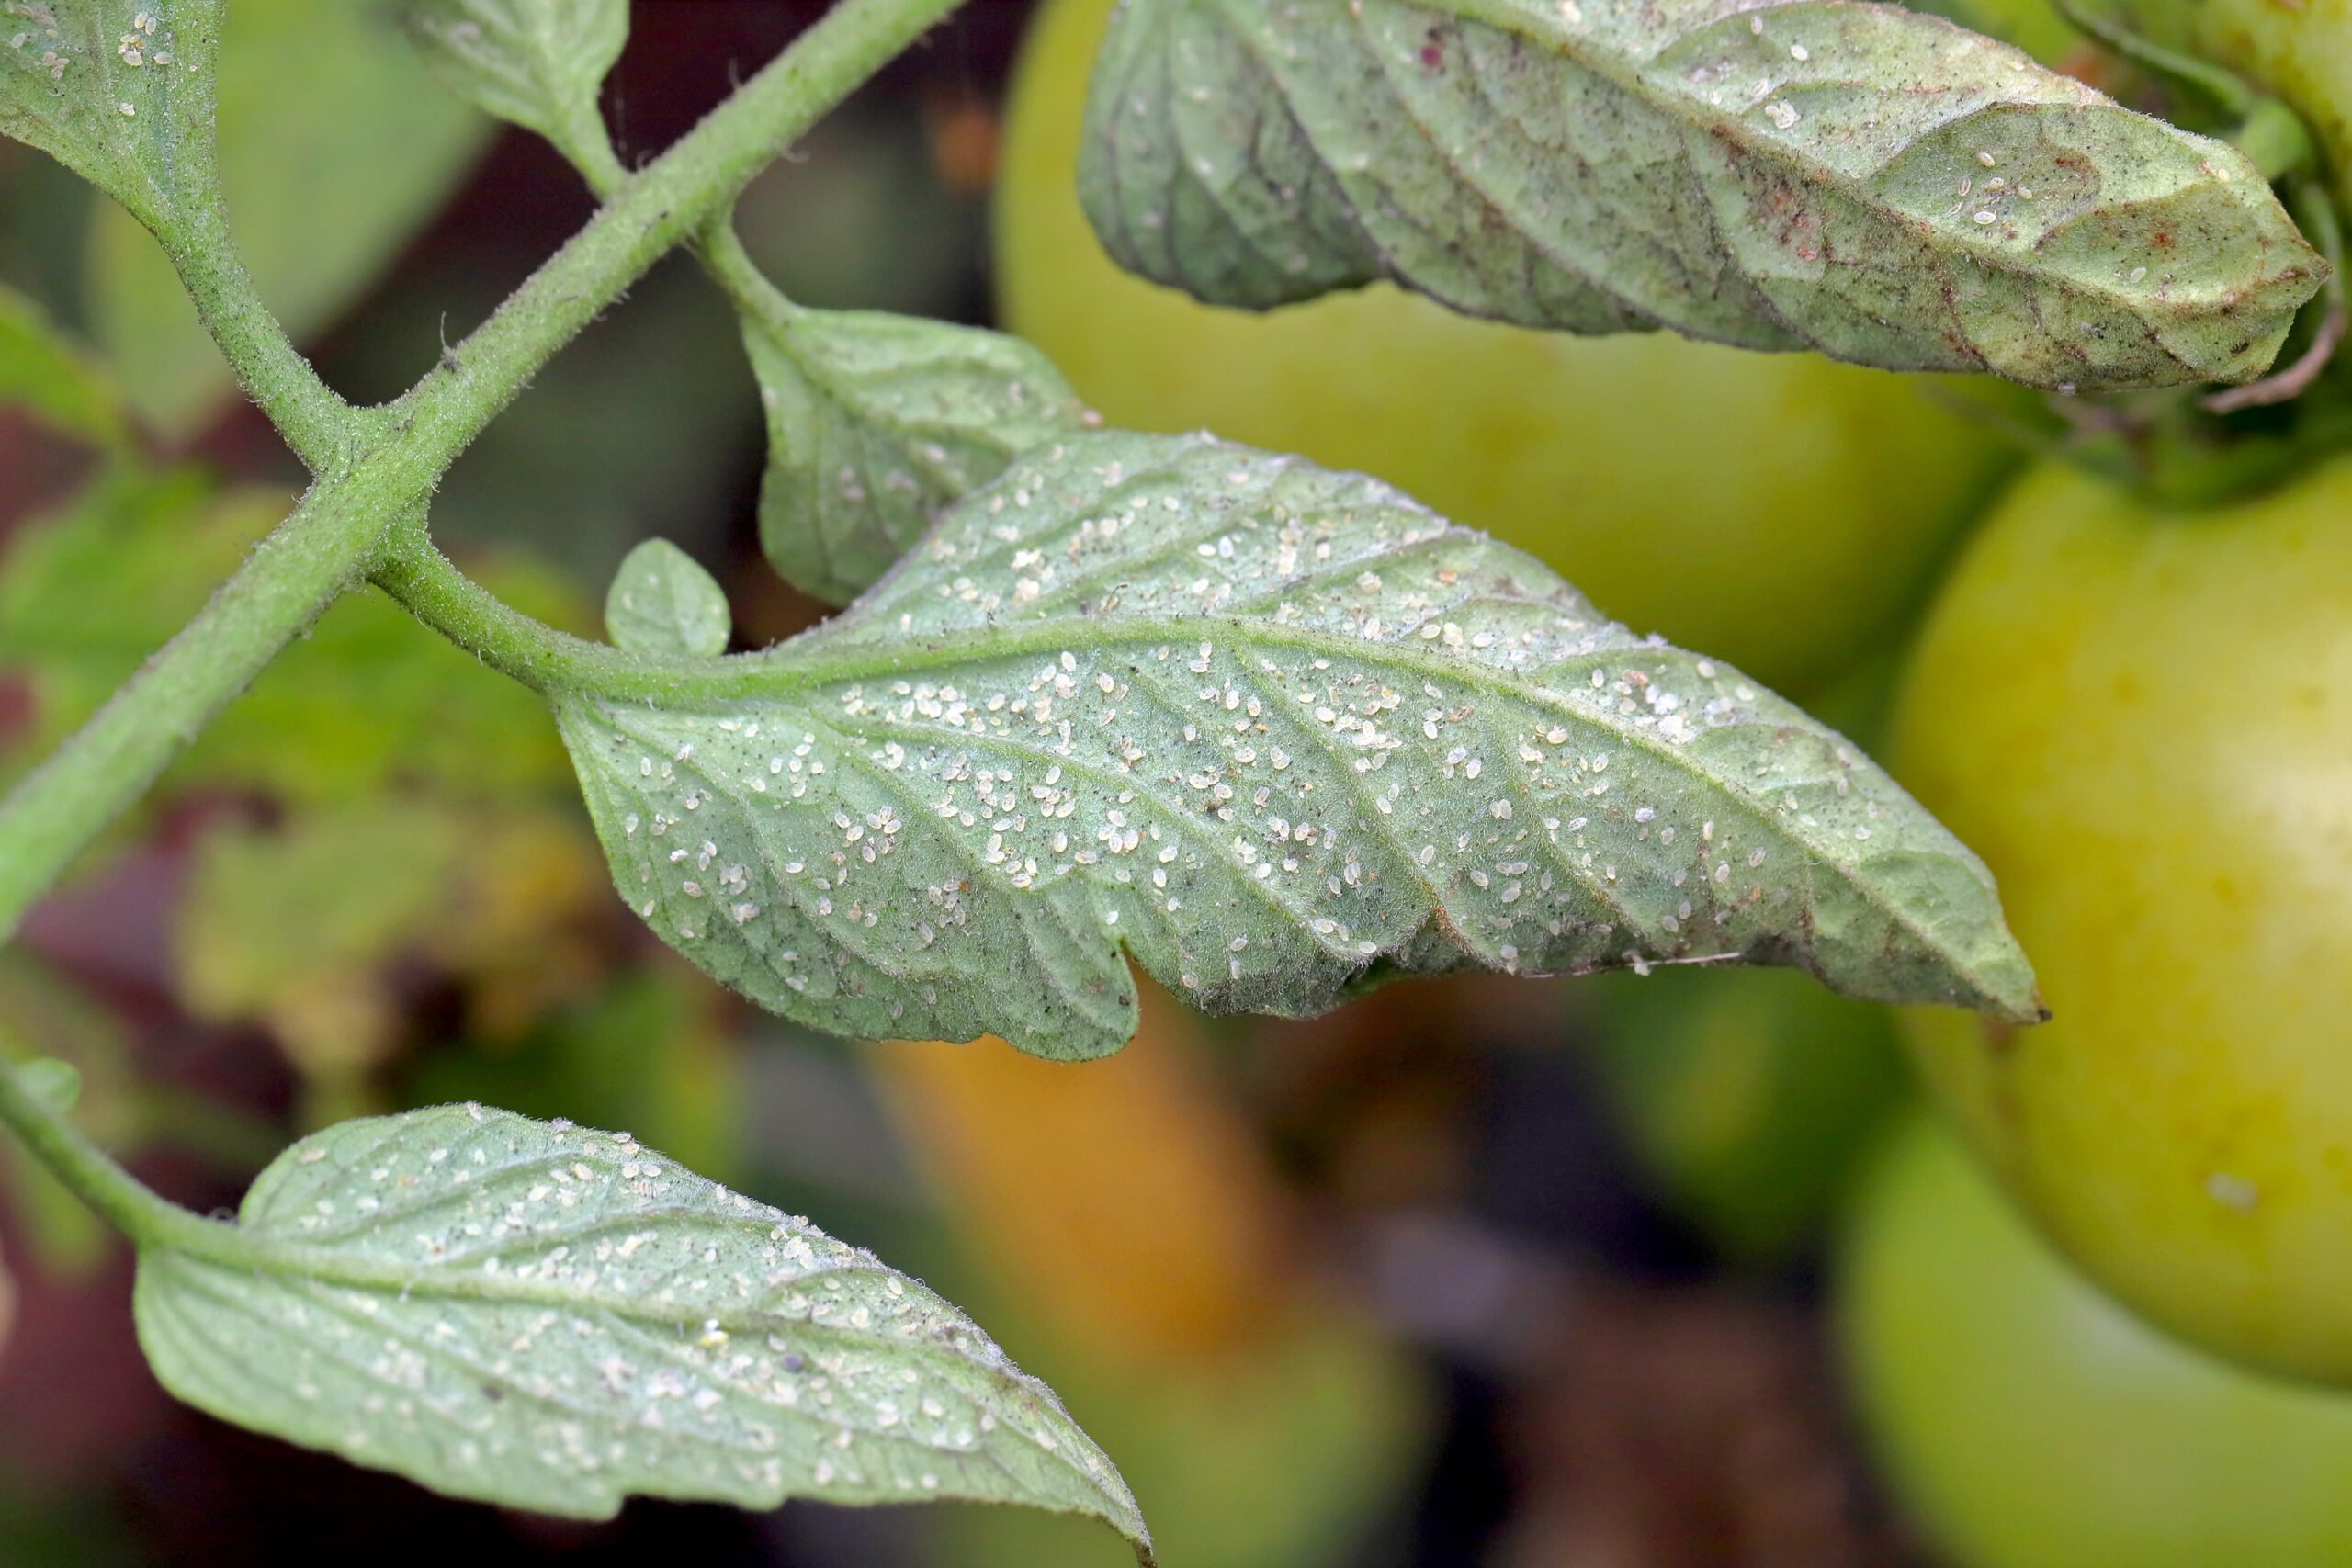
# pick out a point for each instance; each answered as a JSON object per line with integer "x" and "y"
{"x": 1471, "y": 1272}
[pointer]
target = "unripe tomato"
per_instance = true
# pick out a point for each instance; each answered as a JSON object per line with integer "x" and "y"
{"x": 1772, "y": 509}
{"x": 2027, "y": 1421}
{"x": 2300, "y": 50}
{"x": 2143, "y": 721}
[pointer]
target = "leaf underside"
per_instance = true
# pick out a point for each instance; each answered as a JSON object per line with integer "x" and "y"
{"x": 1879, "y": 185}
{"x": 536, "y": 63}
{"x": 877, "y": 422}
{"x": 54, "y": 379}
{"x": 1267, "y": 729}
{"x": 661, "y": 600}
{"x": 553, "y": 1318}
{"x": 116, "y": 90}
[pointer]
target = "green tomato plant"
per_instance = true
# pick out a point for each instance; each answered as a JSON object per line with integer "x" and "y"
{"x": 1271, "y": 732}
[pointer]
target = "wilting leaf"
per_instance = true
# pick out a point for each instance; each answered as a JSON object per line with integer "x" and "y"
{"x": 51, "y": 378}
{"x": 661, "y": 600}
{"x": 557, "y": 1319}
{"x": 368, "y": 697}
{"x": 538, "y": 63}
{"x": 1271, "y": 730}
{"x": 119, "y": 91}
{"x": 877, "y": 422}
{"x": 334, "y": 148}
{"x": 1879, "y": 185}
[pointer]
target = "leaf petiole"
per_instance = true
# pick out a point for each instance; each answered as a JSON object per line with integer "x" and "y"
{"x": 89, "y": 1171}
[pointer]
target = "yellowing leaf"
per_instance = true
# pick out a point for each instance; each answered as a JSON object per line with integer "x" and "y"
{"x": 297, "y": 926}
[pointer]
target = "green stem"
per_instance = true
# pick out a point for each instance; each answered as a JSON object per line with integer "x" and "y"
{"x": 59, "y": 807}
{"x": 332, "y": 537}
{"x": 119, "y": 1196}
{"x": 422, "y": 580}
{"x": 719, "y": 247}
{"x": 318, "y": 425}
{"x": 653, "y": 211}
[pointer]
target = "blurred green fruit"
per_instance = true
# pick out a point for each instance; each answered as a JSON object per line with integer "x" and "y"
{"x": 2143, "y": 721}
{"x": 2027, "y": 1421}
{"x": 2300, "y": 50}
{"x": 1772, "y": 509}
{"x": 1748, "y": 1093}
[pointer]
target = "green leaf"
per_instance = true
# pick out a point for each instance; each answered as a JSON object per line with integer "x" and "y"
{"x": 54, "y": 1083}
{"x": 877, "y": 422}
{"x": 268, "y": 913}
{"x": 538, "y": 63}
{"x": 44, "y": 373}
{"x": 556, "y": 1319}
{"x": 366, "y": 698}
{"x": 119, "y": 91}
{"x": 334, "y": 149}
{"x": 320, "y": 925}
{"x": 661, "y": 600}
{"x": 1879, "y": 185}
{"x": 1271, "y": 731}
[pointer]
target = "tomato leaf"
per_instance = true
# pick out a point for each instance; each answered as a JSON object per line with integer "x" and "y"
{"x": 556, "y": 1319}
{"x": 538, "y": 63}
{"x": 1271, "y": 730}
{"x": 661, "y": 600}
{"x": 50, "y": 376}
{"x": 119, "y": 91}
{"x": 333, "y": 150}
{"x": 1882, "y": 187}
{"x": 877, "y": 421}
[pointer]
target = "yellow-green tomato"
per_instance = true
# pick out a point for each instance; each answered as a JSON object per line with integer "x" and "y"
{"x": 2300, "y": 50}
{"x": 2027, "y": 1421}
{"x": 1772, "y": 509}
{"x": 2143, "y": 722}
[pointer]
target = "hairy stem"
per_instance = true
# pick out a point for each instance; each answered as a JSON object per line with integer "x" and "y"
{"x": 319, "y": 425}
{"x": 719, "y": 246}
{"x": 401, "y": 453}
{"x": 650, "y": 212}
{"x": 423, "y": 581}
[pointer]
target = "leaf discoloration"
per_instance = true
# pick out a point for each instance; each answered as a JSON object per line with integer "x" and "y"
{"x": 1849, "y": 177}
{"x": 1262, "y": 728}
